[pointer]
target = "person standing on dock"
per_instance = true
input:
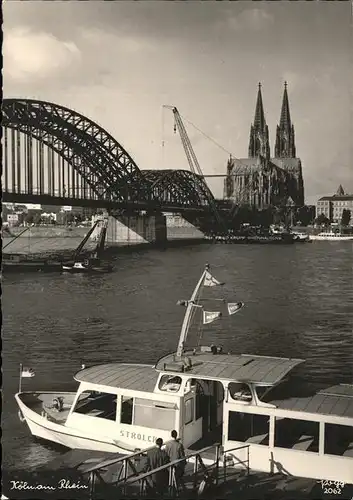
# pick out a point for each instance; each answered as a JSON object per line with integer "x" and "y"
{"x": 157, "y": 458}
{"x": 175, "y": 451}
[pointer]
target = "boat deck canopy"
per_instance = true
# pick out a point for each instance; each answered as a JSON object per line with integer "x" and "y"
{"x": 249, "y": 368}
{"x": 335, "y": 401}
{"x": 120, "y": 375}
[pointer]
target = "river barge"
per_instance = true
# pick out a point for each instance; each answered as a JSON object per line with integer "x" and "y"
{"x": 16, "y": 262}
{"x": 25, "y": 263}
{"x": 255, "y": 239}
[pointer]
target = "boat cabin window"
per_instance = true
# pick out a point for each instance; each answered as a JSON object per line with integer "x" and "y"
{"x": 170, "y": 383}
{"x": 277, "y": 392}
{"x": 148, "y": 413}
{"x": 189, "y": 411}
{"x": 249, "y": 428}
{"x": 297, "y": 434}
{"x": 261, "y": 392}
{"x": 240, "y": 391}
{"x": 154, "y": 414}
{"x": 97, "y": 404}
{"x": 127, "y": 404}
{"x": 338, "y": 440}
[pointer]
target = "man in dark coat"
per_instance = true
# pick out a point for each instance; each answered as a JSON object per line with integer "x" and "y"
{"x": 175, "y": 451}
{"x": 157, "y": 458}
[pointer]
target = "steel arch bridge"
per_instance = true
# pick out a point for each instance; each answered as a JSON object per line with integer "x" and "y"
{"x": 182, "y": 185}
{"x": 54, "y": 155}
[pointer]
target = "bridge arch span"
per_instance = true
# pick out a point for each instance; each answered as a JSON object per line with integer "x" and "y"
{"x": 101, "y": 161}
{"x": 180, "y": 187}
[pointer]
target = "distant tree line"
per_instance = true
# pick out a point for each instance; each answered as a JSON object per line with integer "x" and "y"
{"x": 67, "y": 218}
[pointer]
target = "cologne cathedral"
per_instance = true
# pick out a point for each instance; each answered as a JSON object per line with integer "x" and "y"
{"x": 259, "y": 180}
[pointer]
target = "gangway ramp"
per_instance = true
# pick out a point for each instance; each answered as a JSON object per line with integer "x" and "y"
{"x": 125, "y": 477}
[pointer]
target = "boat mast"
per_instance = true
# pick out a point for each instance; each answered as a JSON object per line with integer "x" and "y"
{"x": 101, "y": 242}
{"x": 187, "y": 317}
{"x": 84, "y": 241}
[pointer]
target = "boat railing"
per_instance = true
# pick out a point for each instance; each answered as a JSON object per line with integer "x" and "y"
{"x": 198, "y": 474}
{"x": 230, "y": 458}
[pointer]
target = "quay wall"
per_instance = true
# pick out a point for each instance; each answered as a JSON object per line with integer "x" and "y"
{"x": 59, "y": 240}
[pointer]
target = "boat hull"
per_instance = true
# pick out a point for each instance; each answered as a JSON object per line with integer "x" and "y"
{"x": 255, "y": 240}
{"x": 31, "y": 266}
{"x": 295, "y": 463}
{"x": 330, "y": 238}
{"x": 87, "y": 270}
{"x": 44, "y": 427}
{"x": 301, "y": 238}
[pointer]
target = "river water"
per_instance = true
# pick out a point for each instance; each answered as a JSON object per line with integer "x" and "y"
{"x": 298, "y": 304}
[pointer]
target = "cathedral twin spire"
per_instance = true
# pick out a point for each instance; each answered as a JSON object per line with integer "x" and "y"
{"x": 259, "y": 144}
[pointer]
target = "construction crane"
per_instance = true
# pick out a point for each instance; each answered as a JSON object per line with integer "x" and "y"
{"x": 194, "y": 163}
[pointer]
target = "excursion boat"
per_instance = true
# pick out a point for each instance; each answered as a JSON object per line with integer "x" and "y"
{"x": 331, "y": 236}
{"x": 93, "y": 263}
{"x": 239, "y": 400}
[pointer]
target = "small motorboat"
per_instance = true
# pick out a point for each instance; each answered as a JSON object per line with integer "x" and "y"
{"x": 88, "y": 265}
{"x": 301, "y": 237}
{"x": 93, "y": 263}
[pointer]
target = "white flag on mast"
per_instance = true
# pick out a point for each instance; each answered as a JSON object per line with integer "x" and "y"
{"x": 209, "y": 317}
{"x": 234, "y": 307}
{"x": 210, "y": 280}
{"x": 27, "y": 373}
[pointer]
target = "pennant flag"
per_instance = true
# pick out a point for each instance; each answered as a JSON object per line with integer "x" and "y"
{"x": 209, "y": 317}
{"x": 234, "y": 307}
{"x": 211, "y": 281}
{"x": 27, "y": 373}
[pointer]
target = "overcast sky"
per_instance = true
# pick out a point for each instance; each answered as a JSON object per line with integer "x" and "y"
{"x": 119, "y": 62}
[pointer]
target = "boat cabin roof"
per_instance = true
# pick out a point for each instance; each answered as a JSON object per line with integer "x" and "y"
{"x": 263, "y": 370}
{"x": 126, "y": 376}
{"x": 336, "y": 401}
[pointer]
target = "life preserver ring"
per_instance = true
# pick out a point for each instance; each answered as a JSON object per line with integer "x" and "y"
{"x": 21, "y": 416}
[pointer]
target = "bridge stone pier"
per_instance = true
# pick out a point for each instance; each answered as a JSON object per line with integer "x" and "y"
{"x": 135, "y": 229}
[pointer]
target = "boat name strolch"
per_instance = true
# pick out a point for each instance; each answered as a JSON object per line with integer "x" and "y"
{"x": 137, "y": 435}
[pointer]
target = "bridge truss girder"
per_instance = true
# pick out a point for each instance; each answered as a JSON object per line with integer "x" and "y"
{"x": 178, "y": 187}
{"x": 101, "y": 161}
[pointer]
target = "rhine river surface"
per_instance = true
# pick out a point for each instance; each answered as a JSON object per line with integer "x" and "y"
{"x": 298, "y": 304}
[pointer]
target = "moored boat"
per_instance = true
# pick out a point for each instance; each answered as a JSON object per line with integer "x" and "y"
{"x": 264, "y": 238}
{"x": 208, "y": 396}
{"x": 301, "y": 237}
{"x": 16, "y": 262}
{"x": 93, "y": 263}
{"x": 331, "y": 236}
{"x": 23, "y": 263}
